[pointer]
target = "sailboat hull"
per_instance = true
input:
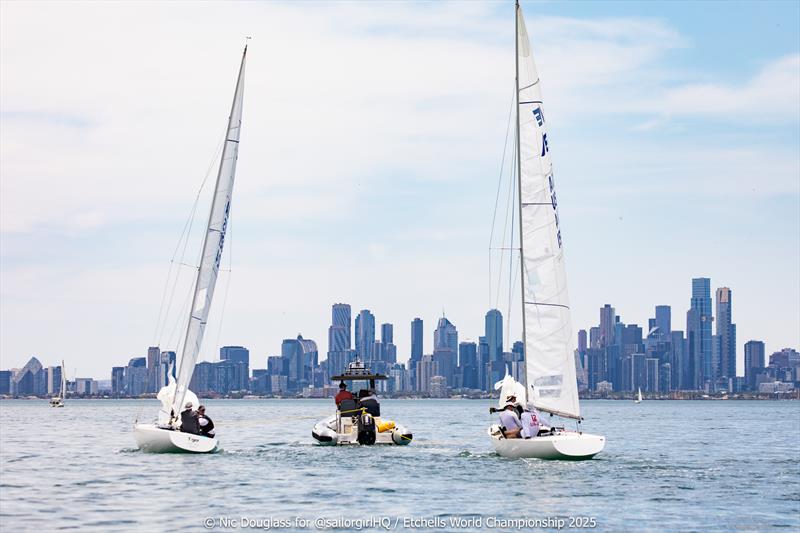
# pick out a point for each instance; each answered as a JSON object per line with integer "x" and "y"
{"x": 567, "y": 445}
{"x": 154, "y": 439}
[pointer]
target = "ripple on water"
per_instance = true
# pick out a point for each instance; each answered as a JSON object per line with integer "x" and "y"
{"x": 106, "y": 484}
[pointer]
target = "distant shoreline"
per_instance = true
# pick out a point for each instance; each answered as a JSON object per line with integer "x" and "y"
{"x": 765, "y": 397}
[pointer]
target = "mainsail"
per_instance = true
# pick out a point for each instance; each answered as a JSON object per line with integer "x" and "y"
{"x": 212, "y": 246}
{"x": 549, "y": 360}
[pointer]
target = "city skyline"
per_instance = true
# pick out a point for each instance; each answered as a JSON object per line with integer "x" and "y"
{"x": 611, "y": 358}
{"x": 387, "y": 206}
{"x": 712, "y": 356}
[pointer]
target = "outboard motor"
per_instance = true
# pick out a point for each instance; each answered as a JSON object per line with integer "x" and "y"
{"x": 366, "y": 429}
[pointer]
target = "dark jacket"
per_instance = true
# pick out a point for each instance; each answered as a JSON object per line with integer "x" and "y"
{"x": 189, "y": 422}
{"x": 205, "y": 430}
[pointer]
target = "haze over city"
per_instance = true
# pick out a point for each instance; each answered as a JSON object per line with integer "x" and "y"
{"x": 370, "y": 177}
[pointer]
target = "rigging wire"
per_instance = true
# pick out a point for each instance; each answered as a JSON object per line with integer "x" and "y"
{"x": 184, "y": 238}
{"x": 179, "y": 319}
{"x": 505, "y": 227}
{"x": 499, "y": 185}
{"x": 511, "y": 259}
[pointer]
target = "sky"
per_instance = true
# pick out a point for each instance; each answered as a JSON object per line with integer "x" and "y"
{"x": 371, "y": 148}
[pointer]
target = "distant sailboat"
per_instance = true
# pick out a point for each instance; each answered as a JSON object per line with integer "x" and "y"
{"x": 638, "y": 396}
{"x": 165, "y": 436}
{"x": 551, "y": 383}
{"x": 58, "y": 401}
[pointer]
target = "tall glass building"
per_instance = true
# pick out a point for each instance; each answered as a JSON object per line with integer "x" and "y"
{"x": 494, "y": 335}
{"x": 698, "y": 331}
{"x": 726, "y": 331}
{"x": 339, "y": 332}
{"x": 365, "y": 335}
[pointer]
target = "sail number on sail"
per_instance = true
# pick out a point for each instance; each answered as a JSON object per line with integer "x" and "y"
{"x": 538, "y": 114}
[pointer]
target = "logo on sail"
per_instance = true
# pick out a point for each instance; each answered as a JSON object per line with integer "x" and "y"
{"x": 537, "y": 113}
{"x": 554, "y": 202}
{"x": 222, "y": 233}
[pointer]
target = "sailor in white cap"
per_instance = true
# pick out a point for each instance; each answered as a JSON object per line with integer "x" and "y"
{"x": 509, "y": 419}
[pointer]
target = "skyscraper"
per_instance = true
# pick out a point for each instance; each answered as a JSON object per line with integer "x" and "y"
{"x": 136, "y": 376}
{"x": 388, "y": 349}
{"x": 582, "y": 341}
{"x": 445, "y": 349}
{"x": 340, "y": 354}
{"x": 339, "y": 331}
{"x": 698, "y": 332}
{"x": 416, "y": 340}
{"x": 240, "y": 357}
{"x": 607, "y": 321}
{"x": 446, "y": 336}
{"x": 53, "y": 380}
{"x": 118, "y": 380}
{"x": 494, "y": 334}
{"x": 754, "y": 361}
{"x": 300, "y": 358}
{"x": 664, "y": 320}
{"x": 426, "y": 369}
{"x": 387, "y": 333}
{"x": 726, "y": 331}
{"x": 678, "y": 361}
{"x": 153, "y": 368}
{"x": 365, "y": 335}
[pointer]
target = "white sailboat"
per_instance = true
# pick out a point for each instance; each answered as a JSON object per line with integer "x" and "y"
{"x": 551, "y": 384}
{"x": 58, "y": 401}
{"x": 639, "y": 396}
{"x": 165, "y": 435}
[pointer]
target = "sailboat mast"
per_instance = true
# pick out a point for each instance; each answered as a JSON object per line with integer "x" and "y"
{"x": 519, "y": 199}
{"x": 186, "y": 361}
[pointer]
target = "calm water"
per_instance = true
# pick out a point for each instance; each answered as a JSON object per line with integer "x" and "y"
{"x": 668, "y": 466}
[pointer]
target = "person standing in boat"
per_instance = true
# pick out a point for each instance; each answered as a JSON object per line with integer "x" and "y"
{"x": 204, "y": 423}
{"x": 509, "y": 420}
{"x": 189, "y": 419}
{"x": 343, "y": 394}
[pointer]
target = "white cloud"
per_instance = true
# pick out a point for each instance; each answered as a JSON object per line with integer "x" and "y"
{"x": 379, "y": 126}
{"x": 772, "y": 94}
{"x": 336, "y": 96}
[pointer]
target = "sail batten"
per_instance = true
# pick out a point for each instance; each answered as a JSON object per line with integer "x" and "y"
{"x": 213, "y": 245}
{"x": 549, "y": 362}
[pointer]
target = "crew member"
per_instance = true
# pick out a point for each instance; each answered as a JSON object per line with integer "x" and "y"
{"x": 343, "y": 394}
{"x": 530, "y": 423}
{"x": 510, "y": 421}
{"x": 189, "y": 420}
{"x": 204, "y": 422}
{"x": 368, "y": 400}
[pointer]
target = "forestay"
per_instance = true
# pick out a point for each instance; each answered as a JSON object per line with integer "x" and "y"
{"x": 212, "y": 246}
{"x": 550, "y": 364}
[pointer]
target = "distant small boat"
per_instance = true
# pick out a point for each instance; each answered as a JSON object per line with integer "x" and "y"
{"x": 638, "y": 396}
{"x": 58, "y": 401}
